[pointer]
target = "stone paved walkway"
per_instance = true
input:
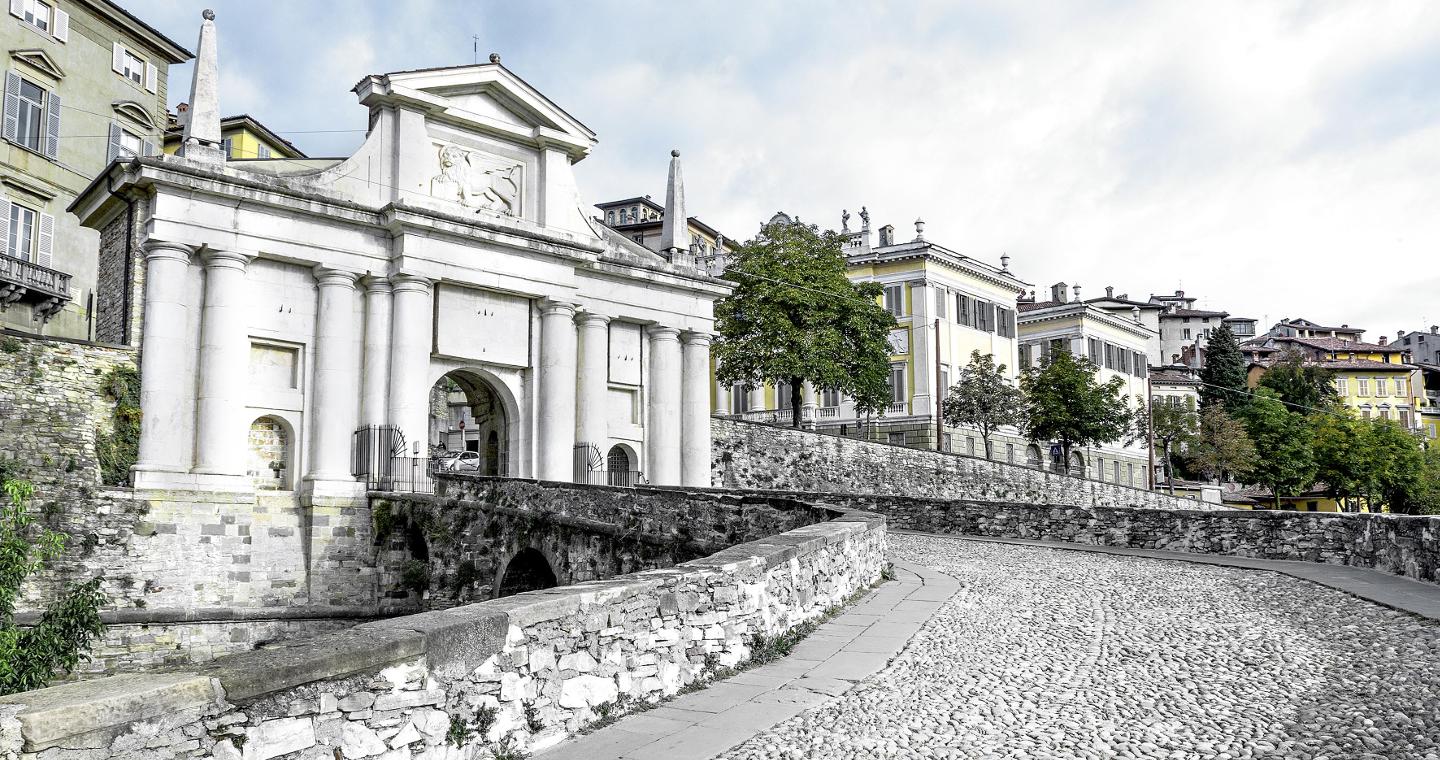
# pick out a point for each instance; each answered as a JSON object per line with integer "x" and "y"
{"x": 1031, "y": 651}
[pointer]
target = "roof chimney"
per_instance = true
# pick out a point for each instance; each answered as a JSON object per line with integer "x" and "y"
{"x": 1435, "y": 329}
{"x": 887, "y": 235}
{"x": 1109, "y": 291}
{"x": 1384, "y": 340}
{"x": 1179, "y": 294}
{"x": 1059, "y": 292}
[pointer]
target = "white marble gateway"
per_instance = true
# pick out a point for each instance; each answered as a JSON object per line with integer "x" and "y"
{"x": 329, "y": 294}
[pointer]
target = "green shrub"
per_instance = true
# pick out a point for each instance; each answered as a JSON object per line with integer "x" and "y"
{"x": 415, "y": 576}
{"x": 118, "y": 450}
{"x": 30, "y": 657}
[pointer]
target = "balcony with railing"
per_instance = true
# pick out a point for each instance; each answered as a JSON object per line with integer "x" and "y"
{"x": 898, "y": 407}
{"x": 24, "y": 282}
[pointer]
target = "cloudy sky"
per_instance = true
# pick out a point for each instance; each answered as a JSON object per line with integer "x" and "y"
{"x": 1273, "y": 158}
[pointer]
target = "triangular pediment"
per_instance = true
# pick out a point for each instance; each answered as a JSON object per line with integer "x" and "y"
{"x": 485, "y": 97}
{"x": 40, "y": 61}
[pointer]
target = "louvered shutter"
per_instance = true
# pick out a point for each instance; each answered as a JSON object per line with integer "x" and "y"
{"x": 12, "y": 105}
{"x": 61, "y": 25}
{"x": 5, "y": 228}
{"x": 46, "y": 248}
{"x": 147, "y": 148}
{"x": 152, "y": 77}
{"x": 52, "y": 125}
{"x": 117, "y": 58}
{"x": 17, "y": 8}
{"x": 112, "y": 148}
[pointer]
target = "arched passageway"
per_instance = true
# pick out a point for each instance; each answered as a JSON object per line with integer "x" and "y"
{"x": 468, "y": 425}
{"x": 619, "y": 468}
{"x": 527, "y": 571}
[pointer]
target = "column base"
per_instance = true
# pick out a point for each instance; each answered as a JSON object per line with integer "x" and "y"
{"x": 152, "y": 477}
{"x": 332, "y": 487}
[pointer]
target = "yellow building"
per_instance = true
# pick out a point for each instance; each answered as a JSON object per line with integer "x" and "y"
{"x": 1117, "y": 344}
{"x": 947, "y": 304}
{"x": 1314, "y": 499}
{"x": 1373, "y": 379}
{"x": 244, "y": 137}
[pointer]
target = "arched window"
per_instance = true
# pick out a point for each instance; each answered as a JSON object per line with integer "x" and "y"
{"x": 617, "y": 466}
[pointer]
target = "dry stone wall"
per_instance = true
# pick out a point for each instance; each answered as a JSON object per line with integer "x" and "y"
{"x": 530, "y": 669}
{"x": 754, "y": 456}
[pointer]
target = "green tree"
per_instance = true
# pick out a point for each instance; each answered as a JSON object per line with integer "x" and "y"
{"x": 1222, "y": 445}
{"x": 795, "y": 317}
{"x": 1223, "y": 376}
{"x": 1065, "y": 403}
{"x": 983, "y": 398}
{"x": 1302, "y": 385}
{"x": 1400, "y": 474}
{"x": 1346, "y": 459}
{"x": 29, "y": 657}
{"x": 1173, "y": 427}
{"x": 1288, "y": 465}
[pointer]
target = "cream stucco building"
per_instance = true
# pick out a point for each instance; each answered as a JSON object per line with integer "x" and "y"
{"x": 286, "y": 306}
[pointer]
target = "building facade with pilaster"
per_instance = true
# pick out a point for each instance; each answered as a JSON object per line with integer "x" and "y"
{"x": 300, "y": 307}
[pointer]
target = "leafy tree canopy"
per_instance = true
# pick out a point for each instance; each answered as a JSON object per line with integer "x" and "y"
{"x": 1346, "y": 459}
{"x": 795, "y": 317}
{"x": 1173, "y": 427}
{"x": 1222, "y": 446}
{"x": 984, "y": 398}
{"x": 1067, "y": 404}
{"x": 1223, "y": 375}
{"x": 1304, "y": 386}
{"x": 1288, "y": 464}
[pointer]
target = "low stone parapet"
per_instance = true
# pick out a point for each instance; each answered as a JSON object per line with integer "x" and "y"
{"x": 535, "y": 667}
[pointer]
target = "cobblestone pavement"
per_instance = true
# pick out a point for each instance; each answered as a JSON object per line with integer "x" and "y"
{"x": 1059, "y": 654}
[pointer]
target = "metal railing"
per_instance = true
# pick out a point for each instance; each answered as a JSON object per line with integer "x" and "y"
{"x": 34, "y": 277}
{"x": 378, "y": 455}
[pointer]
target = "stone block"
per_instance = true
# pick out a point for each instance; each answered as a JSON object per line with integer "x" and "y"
{"x": 401, "y": 700}
{"x": 277, "y": 737}
{"x": 358, "y": 741}
{"x": 587, "y": 691}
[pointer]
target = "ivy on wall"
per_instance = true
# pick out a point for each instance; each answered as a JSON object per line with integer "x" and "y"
{"x": 119, "y": 449}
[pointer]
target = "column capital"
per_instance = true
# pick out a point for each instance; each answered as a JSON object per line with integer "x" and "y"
{"x": 591, "y": 318}
{"x": 662, "y": 333}
{"x": 402, "y": 283}
{"x": 215, "y": 258}
{"x": 375, "y": 283}
{"x": 327, "y": 277}
{"x": 696, "y": 338}
{"x": 550, "y": 307}
{"x": 920, "y": 283}
{"x": 164, "y": 249}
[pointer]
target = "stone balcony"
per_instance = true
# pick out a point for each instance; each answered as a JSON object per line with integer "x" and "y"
{"x": 23, "y": 282}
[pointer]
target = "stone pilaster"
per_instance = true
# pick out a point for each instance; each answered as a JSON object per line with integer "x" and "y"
{"x": 335, "y": 398}
{"x": 922, "y": 348}
{"x": 695, "y": 411}
{"x": 592, "y": 380}
{"x": 220, "y": 424}
{"x": 164, "y": 448}
{"x": 411, "y": 338}
{"x": 555, "y": 393}
{"x": 662, "y": 423}
{"x": 376, "y": 380}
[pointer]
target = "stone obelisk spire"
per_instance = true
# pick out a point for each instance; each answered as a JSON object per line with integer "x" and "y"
{"x": 675, "y": 228}
{"x": 202, "y": 141}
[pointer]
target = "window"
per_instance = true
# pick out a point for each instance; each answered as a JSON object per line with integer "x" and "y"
{"x": 944, "y": 379}
{"x": 132, "y": 67}
{"x": 1384, "y": 412}
{"x": 610, "y": 216}
{"x": 1115, "y": 471}
{"x": 37, "y": 14}
{"x": 946, "y": 441}
{"x": 21, "y": 242}
{"x": 263, "y": 151}
{"x": 622, "y": 215}
{"x": 1093, "y": 344}
{"x": 42, "y": 16}
{"x": 1130, "y": 473}
{"x": 1342, "y": 387}
{"x": 895, "y": 299}
{"x": 31, "y": 126}
{"x": 1099, "y": 469}
{"x": 26, "y": 234}
{"x": 1405, "y": 418}
{"x": 830, "y": 398}
{"x": 1010, "y": 453}
{"x": 1364, "y": 411}
{"x": 1004, "y": 322}
{"x": 942, "y": 297}
{"x": 1027, "y": 355}
{"x": 1381, "y": 387}
{"x": 1056, "y": 345}
{"x": 970, "y": 445}
{"x": 897, "y": 439}
{"x": 782, "y": 396}
{"x": 1187, "y": 332}
{"x": 1109, "y": 356}
{"x": 1400, "y": 386}
{"x": 229, "y": 143}
{"x": 897, "y": 383}
{"x": 739, "y": 398}
{"x": 965, "y": 310}
{"x": 984, "y": 316}
{"x": 1364, "y": 387}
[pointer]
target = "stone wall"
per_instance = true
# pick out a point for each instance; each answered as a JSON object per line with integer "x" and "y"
{"x": 754, "y": 456}
{"x": 466, "y": 536}
{"x": 1400, "y": 544}
{"x": 410, "y": 687}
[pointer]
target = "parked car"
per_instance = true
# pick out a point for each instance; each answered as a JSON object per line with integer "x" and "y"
{"x": 457, "y": 461}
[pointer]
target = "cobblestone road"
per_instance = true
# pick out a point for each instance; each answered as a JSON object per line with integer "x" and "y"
{"x": 1061, "y": 654}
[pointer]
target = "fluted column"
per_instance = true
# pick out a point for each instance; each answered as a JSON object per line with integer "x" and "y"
{"x": 411, "y": 329}
{"x": 376, "y": 378}
{"x": 695, "y": 411}
{"x": 163, "y": 390}
{"x": 555, "y": 393}
{"x": 662, "y": 432}
{"x": 592, "y": 381}
{"x": 220, "y": 435}
{"x": 334, "y": 406}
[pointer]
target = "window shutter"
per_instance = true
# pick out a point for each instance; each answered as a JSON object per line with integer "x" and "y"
{"x": 147, "y": 148}
{"x": 152, "y": 77}
{"x": 17, "y": 8}
{"x": 112, "y": 149}
{"x": 5, "y": 228}
{"x": 47, "y": 240}
{"x": 12, "y": 105}
{"x": 52, "y": 125}
{"x": 117, "y": 58}
{"x": 61, "y": 25}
